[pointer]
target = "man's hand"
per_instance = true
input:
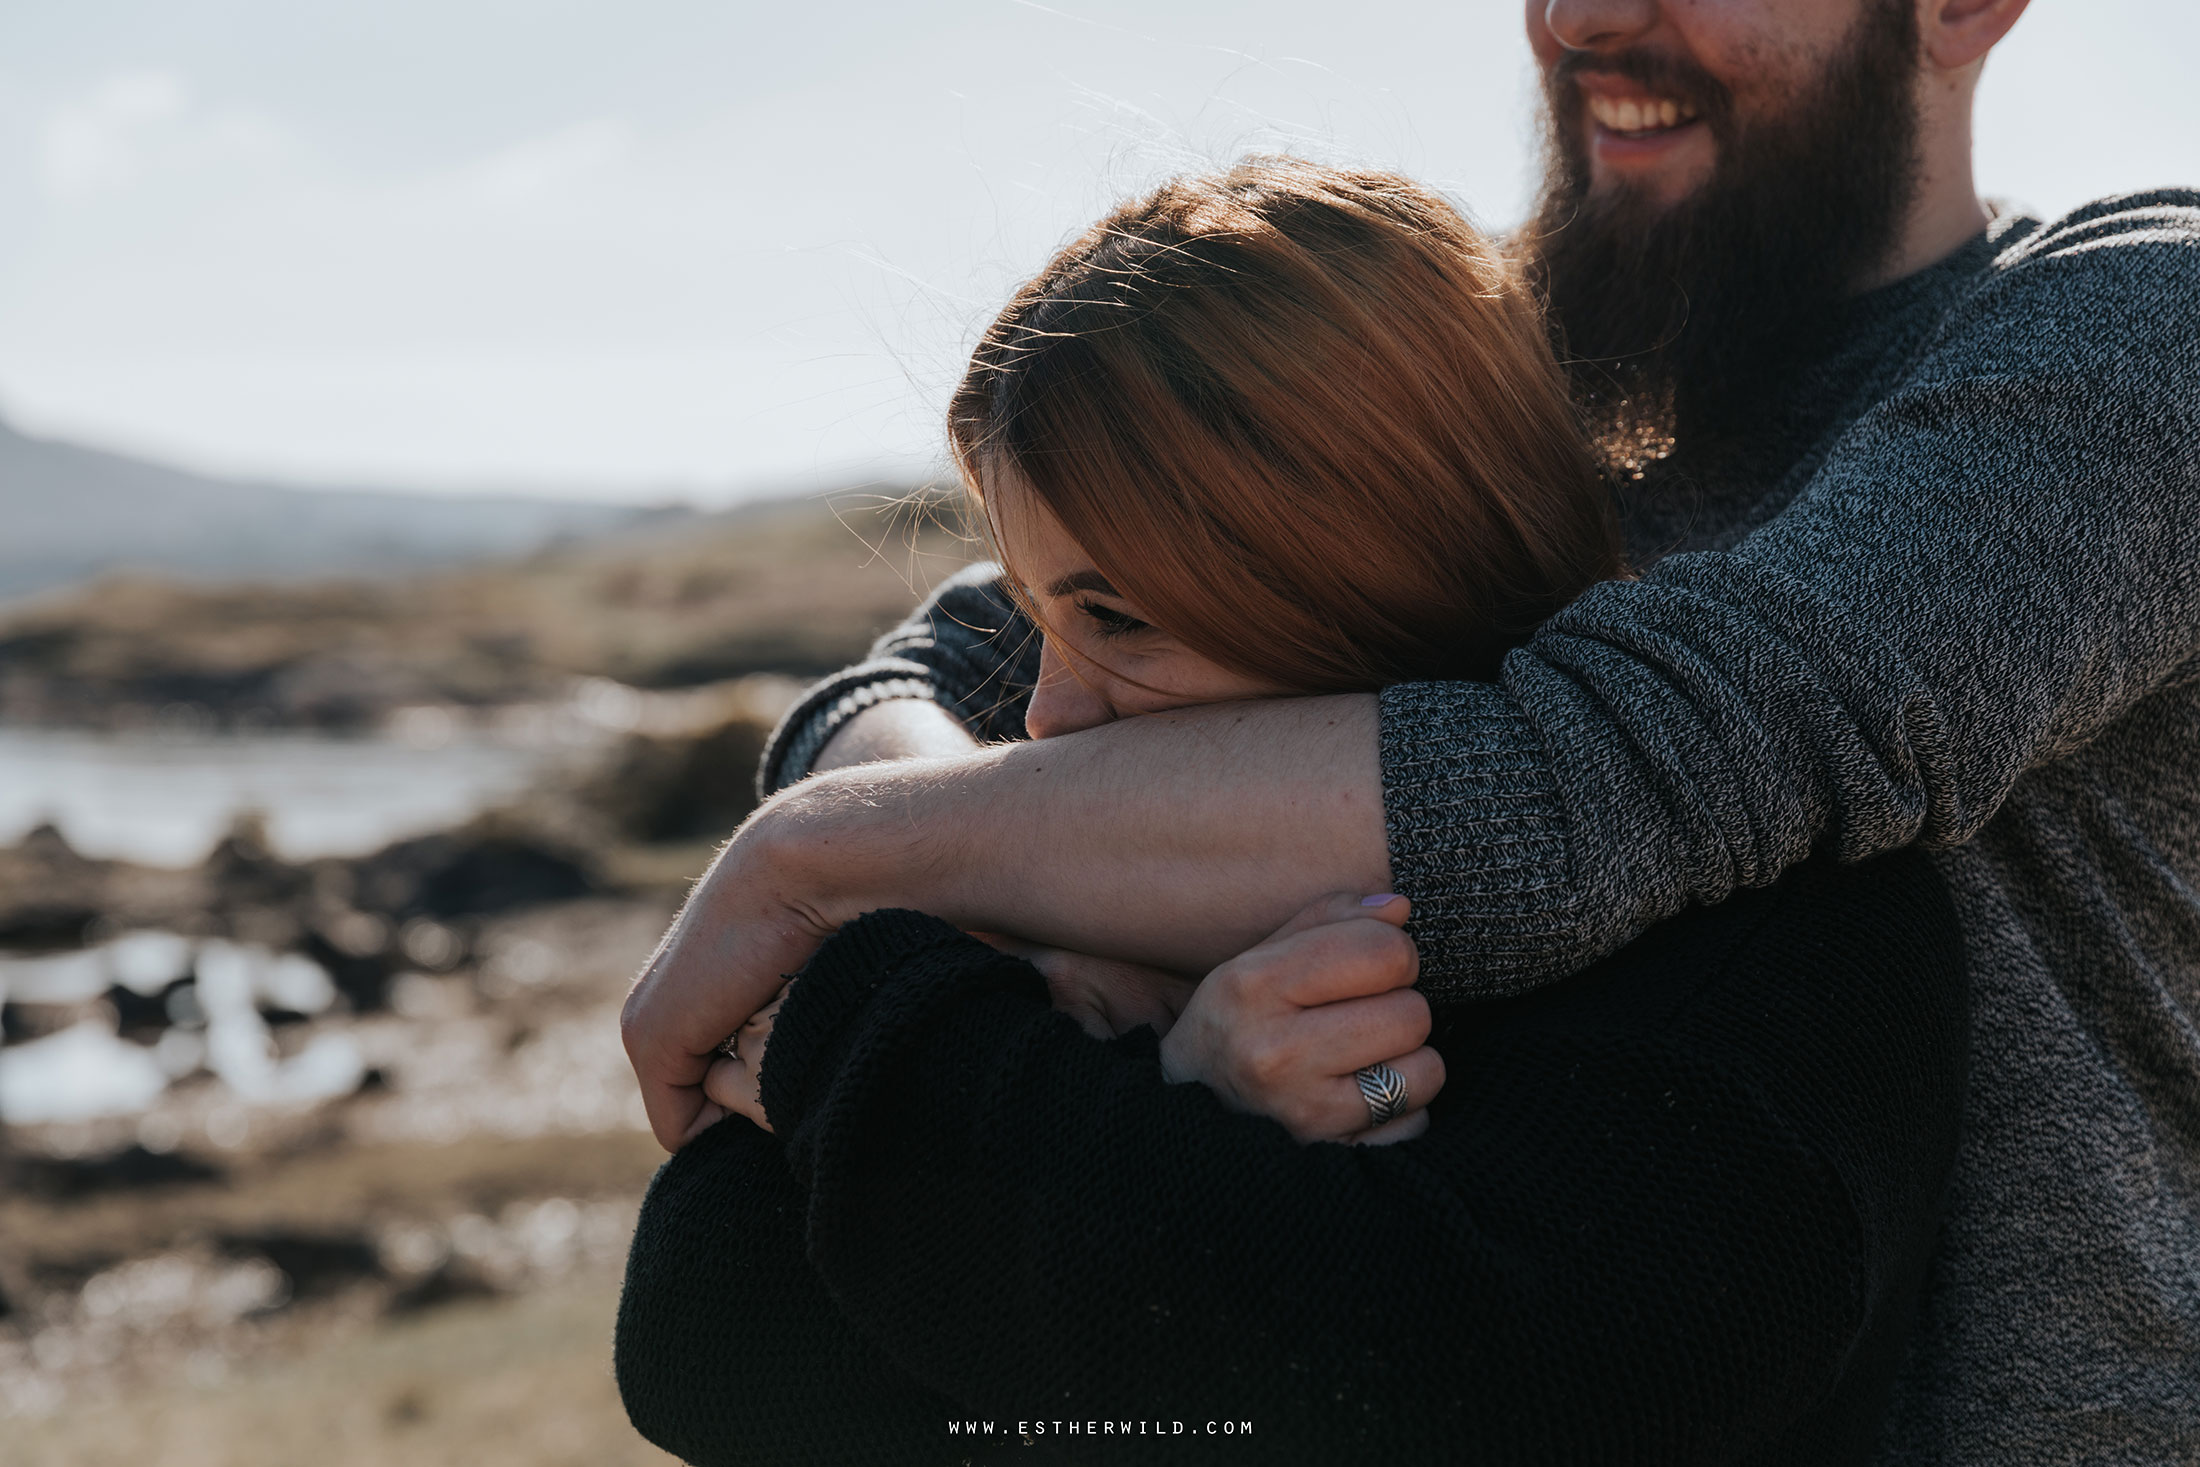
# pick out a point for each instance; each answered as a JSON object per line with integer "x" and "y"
{"x": 1280, "y": 1029}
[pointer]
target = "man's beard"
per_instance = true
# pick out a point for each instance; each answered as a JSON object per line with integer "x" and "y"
{"x": 1679, "y": 318}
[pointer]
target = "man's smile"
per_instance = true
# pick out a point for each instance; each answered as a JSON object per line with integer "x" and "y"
{"x": 1633, "y": 126}
{"x": 1635, "y": 118}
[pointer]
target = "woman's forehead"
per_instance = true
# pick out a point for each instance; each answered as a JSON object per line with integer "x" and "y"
{"x": 1039, "y": 552}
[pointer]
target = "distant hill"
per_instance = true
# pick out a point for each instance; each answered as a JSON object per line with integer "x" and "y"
{"x": 73, "y": 513}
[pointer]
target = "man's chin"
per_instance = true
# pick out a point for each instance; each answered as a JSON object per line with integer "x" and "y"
{"x": 1656, "y": 172}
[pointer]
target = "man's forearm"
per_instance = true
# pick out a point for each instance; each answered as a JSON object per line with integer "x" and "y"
{"x": 1177, "y": 839}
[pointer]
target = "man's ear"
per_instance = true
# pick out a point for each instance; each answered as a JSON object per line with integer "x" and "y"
{"x": 1959, "y": 33}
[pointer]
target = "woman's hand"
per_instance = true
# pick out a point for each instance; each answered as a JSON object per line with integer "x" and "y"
{"x": 731, "y": 1083}
{"x": 757, "y": 915}
{"x": 1107, "y": 998}
{"x": 1279, "y": 1030}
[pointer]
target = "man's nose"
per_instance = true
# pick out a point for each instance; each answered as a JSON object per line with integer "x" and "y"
{"x": 1599, "y": 25}
{"x": 1063, "y": 703}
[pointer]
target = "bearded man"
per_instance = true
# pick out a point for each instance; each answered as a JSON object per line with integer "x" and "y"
{"x": 1916, "y": 486}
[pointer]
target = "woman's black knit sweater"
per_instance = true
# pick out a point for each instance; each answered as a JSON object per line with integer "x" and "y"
{"x": 1674, "y": 1209}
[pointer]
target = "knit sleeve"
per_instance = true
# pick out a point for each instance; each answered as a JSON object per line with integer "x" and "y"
{"x": 967, "y": 648}
{"x": 1993, "y": 564}
{"x": 1658, "y": 1216}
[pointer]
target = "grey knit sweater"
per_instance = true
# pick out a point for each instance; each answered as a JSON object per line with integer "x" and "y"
{"x": 1947, "y": 592}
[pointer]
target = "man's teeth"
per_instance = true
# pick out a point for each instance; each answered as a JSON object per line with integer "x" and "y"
{"x": 1646, "y": 115}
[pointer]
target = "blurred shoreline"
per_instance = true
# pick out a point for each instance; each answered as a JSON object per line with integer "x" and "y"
{"x": 165, "y": 795}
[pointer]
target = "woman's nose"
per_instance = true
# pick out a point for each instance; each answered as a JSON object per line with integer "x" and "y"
{"x": 1599, "y": 25}
{"x": 1063, "y": 703}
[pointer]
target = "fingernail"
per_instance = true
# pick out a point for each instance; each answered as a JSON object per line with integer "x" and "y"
{"x": 1379, "y": 901}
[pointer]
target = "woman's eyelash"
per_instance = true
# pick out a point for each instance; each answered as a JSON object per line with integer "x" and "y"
{"x": 1109, "y": 622}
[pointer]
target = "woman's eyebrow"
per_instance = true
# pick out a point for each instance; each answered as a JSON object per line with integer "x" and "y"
{"x": 1084, "y": 580}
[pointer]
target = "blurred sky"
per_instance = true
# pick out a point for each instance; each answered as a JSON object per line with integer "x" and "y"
{"x": 693, "y": 247}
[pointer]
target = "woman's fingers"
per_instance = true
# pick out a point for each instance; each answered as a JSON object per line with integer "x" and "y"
{"x": 1307, "y": 1094}
{"x": 709, "y": 1115}
{"x": 1106, "y": 996}
{"x": 1336, "y": 1110}
{"x": 756, "y": 1030}
{"x": 1423, "y": 1072}
{"x": 1348, "y": 958}
{"x": 716, "y": 967}
{"x": 1425, "y": 1075}
{"x": 732, "y": 1084}
{"x": 1404, "y": 1128}
{"x": 1281, "y": 1029}
{"x": 1111, "y": 998}
{"x": 1361, "y": 1031}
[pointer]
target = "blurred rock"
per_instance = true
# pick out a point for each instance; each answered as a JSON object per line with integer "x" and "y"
{"x": 452, "y": 1281}
{"x": 363, "y": 979}
{"x": 677, "y": 787}
{"x": 316, "y": 1264}
{"x": 487, "y": 866}
{"x": 246, "y": 873}
{"x": 247, "y": 992}
{"x": 48, "y": 893}
{"x": 139, "y": 1018}
{"x": 67, "y": 1179}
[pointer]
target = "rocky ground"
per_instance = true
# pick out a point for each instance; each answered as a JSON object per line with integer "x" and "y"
{"x": 521, "y": 1379}
{"x": 430, "y": 1256}
{"x": 335, "y": 1161}
{"x": 361, "y": 1176}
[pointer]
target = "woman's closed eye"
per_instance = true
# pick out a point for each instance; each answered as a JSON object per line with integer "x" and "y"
{"x": 1107, "y": 621}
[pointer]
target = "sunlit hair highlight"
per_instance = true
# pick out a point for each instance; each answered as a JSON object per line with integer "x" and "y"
{"x": 1305, "y": 418}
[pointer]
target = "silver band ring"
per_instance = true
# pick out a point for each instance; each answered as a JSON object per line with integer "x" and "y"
{"x": 730, "y": 1046}
{"x": 1384, "y": 1090}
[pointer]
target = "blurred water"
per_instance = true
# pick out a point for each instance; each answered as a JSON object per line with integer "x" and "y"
{"x": 82, "y": 1072}
{"x": 166, "y": 799}
{"x": 88, "y": 1071}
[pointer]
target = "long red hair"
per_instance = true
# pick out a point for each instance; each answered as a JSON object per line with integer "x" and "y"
{"x": 1306, "y": 419}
